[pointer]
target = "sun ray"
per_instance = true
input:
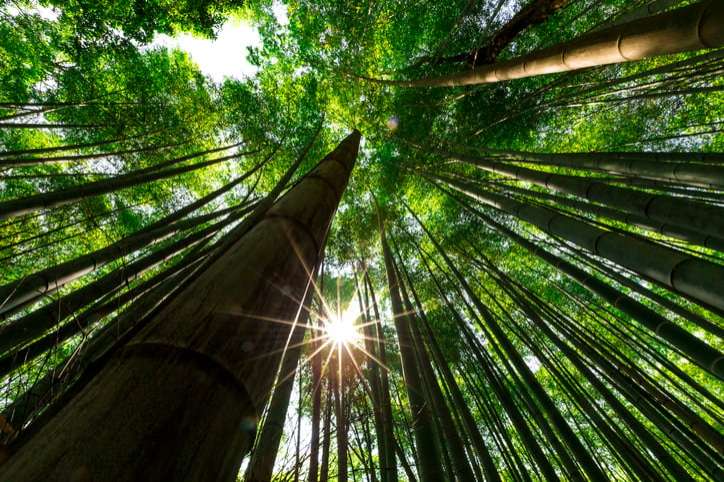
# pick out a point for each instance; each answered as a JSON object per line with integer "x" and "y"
{"x": 271, "y": 319}
{"x": 373, "y": 358}
{"x": 304, "y": 361}
{"x": 282, "y": 350}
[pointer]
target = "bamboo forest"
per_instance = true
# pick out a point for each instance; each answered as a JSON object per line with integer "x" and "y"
{"x": 361, "y": 240}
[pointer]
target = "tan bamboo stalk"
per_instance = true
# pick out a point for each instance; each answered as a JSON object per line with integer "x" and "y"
{"x": 460, "y": 464}
{"x": 373, "y": 375}
{"x": 695, "y": 27}
{"x": 703, "y": 218}
{"x": 684, "y": 234}
{"x": 51, "y": 279}
{"x": 628, "y": 248}
{"x": 645, "y": 165}
{"x": 389, "y": 471}
{"x": 181, "y": 400}
{"x": 18, "y": 207}
{"x": 430, "y": 464}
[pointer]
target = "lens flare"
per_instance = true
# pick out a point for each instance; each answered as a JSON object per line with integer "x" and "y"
{"x": 341, "y": 330}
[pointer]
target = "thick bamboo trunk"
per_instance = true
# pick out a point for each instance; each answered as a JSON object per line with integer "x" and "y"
{"x": 690, "y": 276}
{"x": 429, "y": 460}
{"x": 261, "y": 465}
{"x": 40, "y": 320}
{"x": 53, "y": 390}
{"x": 86, "y": 320}
{"x": 694, "y": 27}
{"x": 181, "y": 400}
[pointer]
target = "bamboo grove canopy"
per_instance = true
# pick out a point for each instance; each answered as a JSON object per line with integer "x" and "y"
{"x": 462, "y": 241}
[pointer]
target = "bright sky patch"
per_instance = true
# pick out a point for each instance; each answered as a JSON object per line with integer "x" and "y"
{"x": 219, "y": 58}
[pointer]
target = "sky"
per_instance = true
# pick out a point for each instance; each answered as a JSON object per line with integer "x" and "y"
{"x": 219, "y": 58}
{"x": 226, "y": 55}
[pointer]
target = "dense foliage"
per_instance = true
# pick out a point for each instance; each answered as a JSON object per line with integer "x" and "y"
{"x": 105, "y": 138}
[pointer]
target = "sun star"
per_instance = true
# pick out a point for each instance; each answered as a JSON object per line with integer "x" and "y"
{"x": 341, "y": 329}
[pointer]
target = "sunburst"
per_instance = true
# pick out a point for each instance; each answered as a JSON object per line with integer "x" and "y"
{"x": 340, "y": 328}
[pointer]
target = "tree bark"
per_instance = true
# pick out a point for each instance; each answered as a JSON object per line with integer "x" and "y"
{"x": 534, "y": 13}
{"x": 181, "y": 400}
{"x": 650, "y": 8}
